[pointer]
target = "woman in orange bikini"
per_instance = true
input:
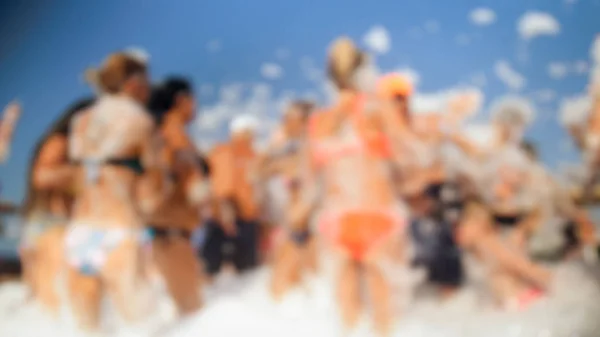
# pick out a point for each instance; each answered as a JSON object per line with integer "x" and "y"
{"x": 359, "y": 214}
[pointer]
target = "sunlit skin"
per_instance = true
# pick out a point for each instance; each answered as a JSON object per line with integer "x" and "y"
{"x": 421, "y": 164}
{"x": 342, "y": 177}
{"x": 175, "y": 257}
{"x": 352, "y": 145}
{"x": 513, "y": 274}
{"x": 426, "y": 128}
{"x": 291, "y": 260}
{"x": 234, "y": 191}
{"x": 557, "y": 201}
{"x": 233, "y": 164}
{"x": 43, "y": 259}
{"x": 114, "y": 203}
{"x": 8, "y": 122}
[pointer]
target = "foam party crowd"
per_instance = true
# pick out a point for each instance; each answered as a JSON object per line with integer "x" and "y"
{"x": 357, "y": 218}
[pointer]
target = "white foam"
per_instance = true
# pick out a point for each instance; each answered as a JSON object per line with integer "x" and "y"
{"x": 242, "y": 306}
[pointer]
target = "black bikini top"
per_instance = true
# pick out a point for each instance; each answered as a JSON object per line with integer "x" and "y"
{"x": 188, "y": 157}
{"x": 132, "y": 163}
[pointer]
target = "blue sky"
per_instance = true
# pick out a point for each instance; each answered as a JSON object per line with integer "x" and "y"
{"x": 254, "y": 55}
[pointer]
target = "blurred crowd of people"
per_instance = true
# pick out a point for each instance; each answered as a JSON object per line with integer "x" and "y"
{"x": 121, "y": 201}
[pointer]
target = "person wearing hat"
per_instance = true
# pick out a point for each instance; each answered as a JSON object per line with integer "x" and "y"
{"x": 422, "y": 181}
{"x": 232, "y": 233}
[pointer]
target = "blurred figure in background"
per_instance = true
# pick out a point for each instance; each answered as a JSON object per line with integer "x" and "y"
{"x": 173, "y": 105}
{"x": 107, "y": 243}
{"x": 565, "y": 228}
{"x": 47, "y": 206}
{"x": 501, "y": 210}
{"x": 232, "y": 233}
{"x": 421, "y": 180}
{"x": 9, "y": 120}
{"x": 287, "y": 164}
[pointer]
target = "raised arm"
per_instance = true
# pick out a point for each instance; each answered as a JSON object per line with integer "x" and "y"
{"x": 7, "y": 125}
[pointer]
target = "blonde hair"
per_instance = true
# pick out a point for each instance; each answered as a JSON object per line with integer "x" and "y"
{"x": 343, "y": 60}
{"x": 115, "y": 70}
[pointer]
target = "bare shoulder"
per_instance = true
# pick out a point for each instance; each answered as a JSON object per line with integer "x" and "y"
{"x": 219, "y": 150}
{"x": 317, "y": 122}
{"x": 53, "y": 150}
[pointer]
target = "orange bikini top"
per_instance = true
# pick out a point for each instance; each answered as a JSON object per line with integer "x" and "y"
{"x": 366, "y": 137}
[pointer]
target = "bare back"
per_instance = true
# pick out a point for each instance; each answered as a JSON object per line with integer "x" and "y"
{"x": 114, "y": 128}
{"x": 354, "y": 170}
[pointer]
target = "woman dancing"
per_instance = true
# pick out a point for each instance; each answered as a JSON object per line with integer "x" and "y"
{"x": 288, "y": 167}
{"x": 360, "y": 215}
{"x": 47, "y": 207}
{"x": 496, "y": 170}
{"x": 423, "y": 182}
{"x": 173, "y": 106}
{"x": 106, "y": 242}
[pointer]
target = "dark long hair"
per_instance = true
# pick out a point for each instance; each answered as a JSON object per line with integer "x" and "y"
{"x": 164, "y": 96}
{"x": 62, "y": 127}
{"x": 163, "y": 99}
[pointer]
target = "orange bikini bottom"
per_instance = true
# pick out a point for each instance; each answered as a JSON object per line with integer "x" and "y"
{"x": 358, "y": 231}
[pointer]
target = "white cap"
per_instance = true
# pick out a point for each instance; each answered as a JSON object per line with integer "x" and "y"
{"x": 243, "y": 123}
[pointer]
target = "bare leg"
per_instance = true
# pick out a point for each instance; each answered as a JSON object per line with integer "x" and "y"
{"x": 180, "y": 269}
{"x": 504, "y": 286}
{"x": 28, "y": 261}
{"x": 491, "y": 245}
{"x": 311, "y": 255}
{"x": 477, "y": 234}
{"x": 349, "y": 292}
{"x": 51, "y": 263}
{"x": 125, "y": 282}
{"x": 286, "y": 269}
{"x": 85, "y": 295}
{"x": 380, "y": 292}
